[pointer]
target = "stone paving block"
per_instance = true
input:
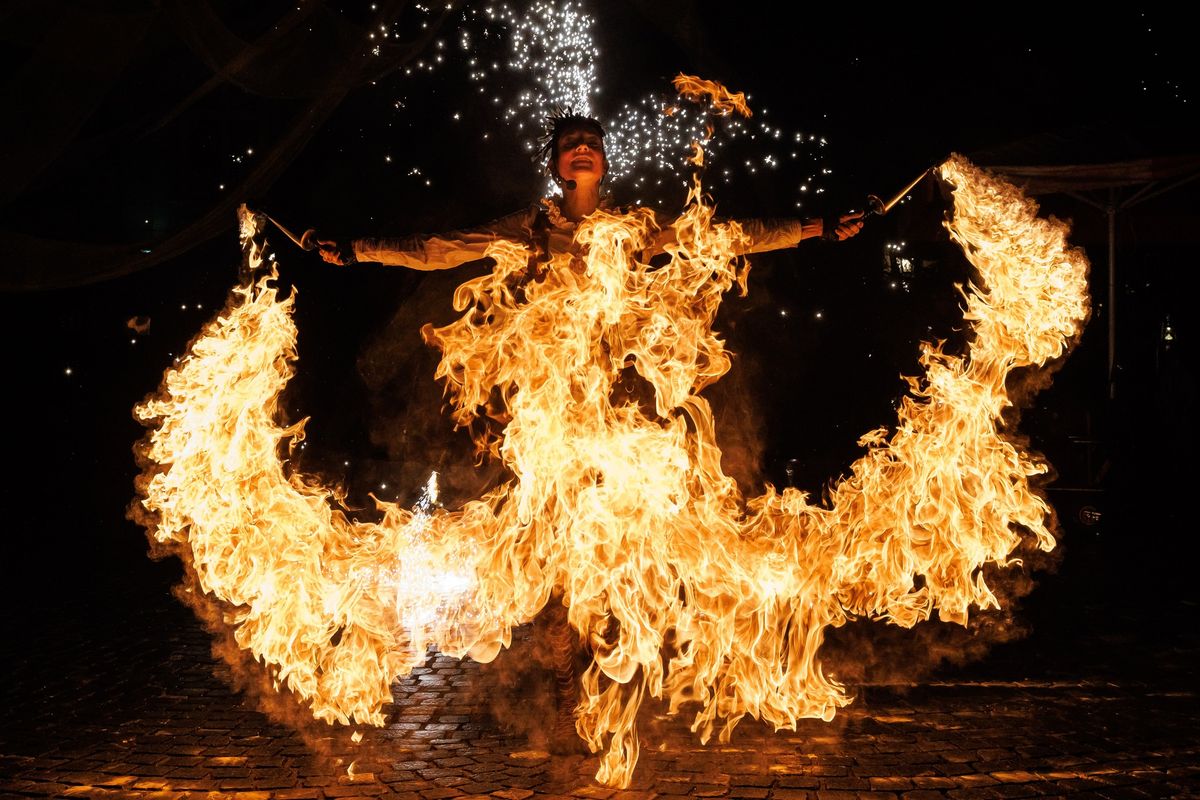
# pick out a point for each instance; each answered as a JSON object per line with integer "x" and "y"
{"x": 912, "y": 771}
{"x": 142, "y": 760}
{"x": 475, "y": 788}
{"x": 439, "y": 794}
{"x": 42, "y": 788}
{"x": 1013, "y": 790}
{"x": 363, "y": 790}
{"x": 1122, "y": 793}
{"x": 751, "y": 780}
{"x": 748, "y": 792}
{"x": 1172, "y": 790}
{"x": 890, "y": 784}
{"x": 433, "y": 774}
{"x": 675, "y": 788}
{"x": 959, "y": 756}
{"x": 117, "y": 781}
{"x": 974, "y": 793}
{"x": 792, "y": 794}
{"x": 151, "y": 783}
{"x": 848, "y": 784}
{"x": 798, "y": 782}
{"x": 523, "y": 782}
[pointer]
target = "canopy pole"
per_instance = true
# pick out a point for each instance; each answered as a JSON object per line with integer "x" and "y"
{"x": 1111, "y": 211}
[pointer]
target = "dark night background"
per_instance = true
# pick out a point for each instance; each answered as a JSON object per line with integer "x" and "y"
{"x": 119, "y": 133}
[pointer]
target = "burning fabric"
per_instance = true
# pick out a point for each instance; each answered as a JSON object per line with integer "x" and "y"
{"x": 680, "y": 587}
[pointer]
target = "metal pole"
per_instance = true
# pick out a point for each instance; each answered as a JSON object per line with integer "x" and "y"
{"x": 1112, "y": 294}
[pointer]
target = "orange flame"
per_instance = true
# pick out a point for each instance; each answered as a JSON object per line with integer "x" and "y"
{"x": 724, "y": 102}
{"x": 622, "y": 507}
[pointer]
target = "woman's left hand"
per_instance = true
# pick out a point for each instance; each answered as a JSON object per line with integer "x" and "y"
{"x": 848, "y": 225}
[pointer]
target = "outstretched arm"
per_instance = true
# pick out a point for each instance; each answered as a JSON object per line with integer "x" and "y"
{"x": 429, "y": 251}
{"x": 777, "y": 234}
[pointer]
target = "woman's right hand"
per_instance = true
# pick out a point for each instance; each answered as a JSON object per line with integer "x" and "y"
{"x": 335, "y": 253}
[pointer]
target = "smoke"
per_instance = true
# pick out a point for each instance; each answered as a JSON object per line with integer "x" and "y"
{"x": 407, "y": 406}
{"x": 866, "y": 652}
{"x": 740, "y": 423}
{"x": 519, "y": 688}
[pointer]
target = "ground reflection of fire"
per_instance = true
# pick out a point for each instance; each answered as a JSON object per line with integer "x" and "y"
{"x": 679, "y": 585}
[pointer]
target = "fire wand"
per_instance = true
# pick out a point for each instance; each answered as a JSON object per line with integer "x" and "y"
{"x": 876, "y": 206}
{"x": 305, "y": 241}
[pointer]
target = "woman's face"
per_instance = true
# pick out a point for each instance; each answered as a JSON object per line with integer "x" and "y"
{"x": 581, "y": 157}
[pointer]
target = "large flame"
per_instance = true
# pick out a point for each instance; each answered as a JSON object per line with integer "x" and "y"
{"x": 679, "y": 586}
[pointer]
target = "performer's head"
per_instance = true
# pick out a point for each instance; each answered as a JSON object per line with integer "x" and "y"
{"x": 574, "y": 151}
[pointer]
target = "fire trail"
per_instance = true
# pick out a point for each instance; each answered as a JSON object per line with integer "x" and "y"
{"x": 679, "y": 586}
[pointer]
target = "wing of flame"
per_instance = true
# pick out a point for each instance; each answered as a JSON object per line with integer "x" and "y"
{"x": 679, "y": 586}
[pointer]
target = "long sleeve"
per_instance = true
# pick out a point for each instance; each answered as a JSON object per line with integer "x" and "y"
{"x": 776, "y": 234}
{"x": 443, "y": 250}
{"x": 764, "y": 234}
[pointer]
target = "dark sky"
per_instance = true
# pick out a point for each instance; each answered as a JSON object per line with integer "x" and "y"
{"x": 134, "y": 127}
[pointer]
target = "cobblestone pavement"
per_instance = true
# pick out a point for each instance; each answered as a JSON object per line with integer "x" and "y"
{"x": 138, "y": 707}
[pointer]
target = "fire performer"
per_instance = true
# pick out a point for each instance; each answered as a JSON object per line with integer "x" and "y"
{"x": 573, "y": 149}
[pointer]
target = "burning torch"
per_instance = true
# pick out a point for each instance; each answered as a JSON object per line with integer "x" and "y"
{"x": 253, "y": 225}
{"x": 305, "y": 241}
{"x": 259, "y": 220}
